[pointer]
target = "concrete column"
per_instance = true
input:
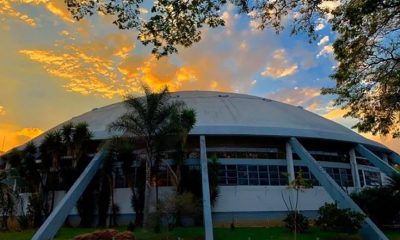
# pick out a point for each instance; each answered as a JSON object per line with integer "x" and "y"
{"x": 354, "y": 170}
{"x": 376, "y": 161}
{"x": 208, "y": 226}
{"x": 290, "y": 164}
{"x": 57, "y": 217}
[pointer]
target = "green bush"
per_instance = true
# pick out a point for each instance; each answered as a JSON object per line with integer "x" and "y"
{"x": 386, "y": 198}
{"x": 342, "y": 220}
{"x": 295, "y": 221}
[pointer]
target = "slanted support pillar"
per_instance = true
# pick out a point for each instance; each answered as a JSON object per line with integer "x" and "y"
{"x": 354, "y": 170}
{"x": 369, "y": 230}
{"x": 57, "y": 217}
{"x": 208, "y": 226}
{"x": 376, "y": 161}
{"x": 290, "y": 164}
{"x": 395, "y": 157}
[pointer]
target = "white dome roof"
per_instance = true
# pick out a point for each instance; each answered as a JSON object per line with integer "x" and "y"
{"x": 220, "y": 113}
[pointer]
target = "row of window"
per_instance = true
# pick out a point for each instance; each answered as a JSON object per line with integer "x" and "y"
{"x": 252, "y": 175}
{"x": 268, "y": 175}
{"x": 277, "y": 175}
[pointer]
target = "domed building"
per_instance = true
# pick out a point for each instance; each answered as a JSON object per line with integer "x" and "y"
{"x": 260, "y": 144}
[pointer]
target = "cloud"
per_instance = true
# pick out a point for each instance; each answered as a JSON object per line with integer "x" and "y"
{"x": 2, "y": 111}
{"x": 329, "y": 5}
{"x": 110, "y": 65}
{"x": 325, "y": 51}
{"x": 14, "y": 135}
{"x": 306, "y": 97}
{"x": 280, "y": 66}
{"x": 88, "y": 68}
{"x": 8, "y": 11}
{"x": 29, "y": 132}
{"x": 11, "y": 9}
{"x": 59, "y": 9}
{"x": 335, "y": 114}
{"x": 323, "y": 40}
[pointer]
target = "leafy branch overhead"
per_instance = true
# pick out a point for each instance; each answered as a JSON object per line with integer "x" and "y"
{"x": 174, "y": 23}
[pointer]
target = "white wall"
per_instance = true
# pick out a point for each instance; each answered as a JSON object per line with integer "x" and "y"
{"x": 266, "y": 198}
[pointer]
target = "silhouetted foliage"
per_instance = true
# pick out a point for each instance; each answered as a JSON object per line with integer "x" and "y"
{"x": 296, "y": 222}
{"x": 381, "y": 204}
{"x": 342, "y": 220}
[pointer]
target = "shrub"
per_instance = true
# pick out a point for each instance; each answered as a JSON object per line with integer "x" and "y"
{"x": 295, "y": 221}
{"x": 343, "y": 220}
{"x": 108, "y": 234}
{"x": 388, "y": 211}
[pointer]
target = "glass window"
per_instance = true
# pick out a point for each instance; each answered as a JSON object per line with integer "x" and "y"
{"x": 372, "y": 178}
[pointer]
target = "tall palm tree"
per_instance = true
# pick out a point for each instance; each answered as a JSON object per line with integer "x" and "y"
{"x": 51, "y": 151}
{"x": 67, "y": 132}
{"x": 81, "y": 138}
{"x": 182, "y": 122}
{"x": 147, "y": 119}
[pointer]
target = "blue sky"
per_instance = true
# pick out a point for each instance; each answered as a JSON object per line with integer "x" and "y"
{"x": 53, "y": 68}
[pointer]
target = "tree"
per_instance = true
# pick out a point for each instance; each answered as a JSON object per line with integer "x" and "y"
{"x": 51, "y": 150}
{"x": 182, "y": 123}
{"x": 147, "y": 119}
{"x": 368, "y": 75}
{"x": 174, "y": 23}
{"x": 295, "y": 221}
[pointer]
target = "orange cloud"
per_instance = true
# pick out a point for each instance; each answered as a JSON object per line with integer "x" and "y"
{"x": 336, "y": 114}
{"x": 12, "y": 135}
{"x": 280, "y": 66}
{"x": 59, "y": 9}
{"x": 10, "y": 9}
{"x": 325, "y": 51}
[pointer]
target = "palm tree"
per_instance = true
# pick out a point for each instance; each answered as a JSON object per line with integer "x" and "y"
{"x": 147, "y": 119}
{"x": 67, "y": 132}
{"x": 182, "y": 122}
{"x": 51, "y": 151}
{"x": 81, "y": 138}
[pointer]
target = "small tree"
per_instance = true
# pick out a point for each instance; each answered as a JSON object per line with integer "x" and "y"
{"x": 295, "y": 221}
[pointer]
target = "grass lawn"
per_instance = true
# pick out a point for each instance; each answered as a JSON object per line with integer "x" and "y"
{"x": 273, "y": 233}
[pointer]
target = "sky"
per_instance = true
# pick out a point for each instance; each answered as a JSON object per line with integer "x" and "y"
{"x": 53, "y": 67}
